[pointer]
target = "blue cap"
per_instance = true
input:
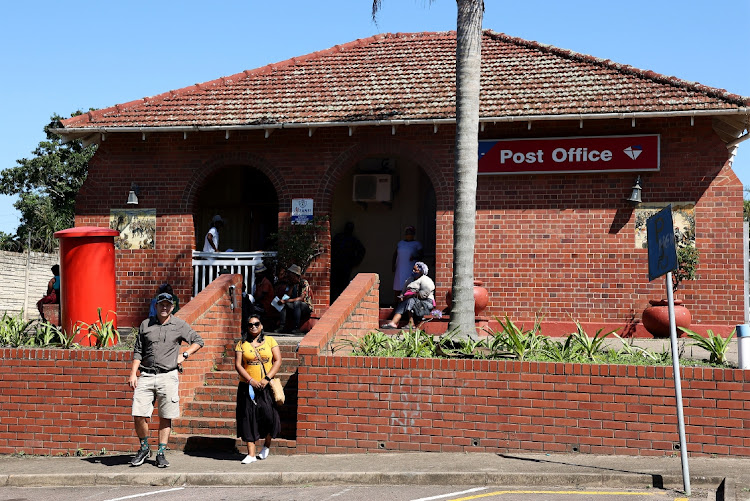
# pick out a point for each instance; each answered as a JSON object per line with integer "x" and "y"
{"x": 165, "y": 296}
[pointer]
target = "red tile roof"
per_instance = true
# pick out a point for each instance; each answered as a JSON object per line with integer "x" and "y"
{"x": 411, "y": 76}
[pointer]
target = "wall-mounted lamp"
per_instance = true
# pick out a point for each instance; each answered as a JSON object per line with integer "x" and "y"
{"x": 635, "y": 194}
{"x": 135, "y": 190}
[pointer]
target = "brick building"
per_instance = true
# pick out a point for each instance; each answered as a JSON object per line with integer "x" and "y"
{"x": 558, "y": 238}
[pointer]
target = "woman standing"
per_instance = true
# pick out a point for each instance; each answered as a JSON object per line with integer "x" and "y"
{"x": 256, "y": 415}
{"x": 407, "y": 252}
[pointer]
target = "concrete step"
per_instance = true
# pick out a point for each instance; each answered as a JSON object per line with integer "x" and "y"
{"x": 227, "y": 443}
{"x": 218, "y": 427}
{"x": 226, "y": 410}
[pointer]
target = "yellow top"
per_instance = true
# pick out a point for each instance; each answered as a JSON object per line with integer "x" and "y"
{"x": 249, "y": 361}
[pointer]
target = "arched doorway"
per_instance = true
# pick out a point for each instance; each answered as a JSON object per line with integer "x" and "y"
{"x": 380, "y": 216}
{"x": 246, "y": 200}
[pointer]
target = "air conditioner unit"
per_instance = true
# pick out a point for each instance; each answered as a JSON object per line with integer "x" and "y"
{"x": 372, "y": 188}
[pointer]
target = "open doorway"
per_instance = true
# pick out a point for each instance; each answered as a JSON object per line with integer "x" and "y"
{"x": 246, "y": 200}
{"x": 403, "y": 196}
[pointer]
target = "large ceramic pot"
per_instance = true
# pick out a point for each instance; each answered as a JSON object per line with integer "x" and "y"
{"x": 481, "y": 297}
{"x": 655, "y": 318}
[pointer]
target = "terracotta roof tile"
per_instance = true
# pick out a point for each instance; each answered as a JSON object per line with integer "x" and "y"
{"x": 411, "y": 76}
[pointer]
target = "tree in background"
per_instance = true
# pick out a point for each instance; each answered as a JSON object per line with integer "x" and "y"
{"x": 466, "y": 163}
{"x": 46, "y": 185}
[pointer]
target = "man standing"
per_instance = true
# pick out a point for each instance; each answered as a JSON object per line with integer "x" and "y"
{"x": 157, "y": 355}
{"x": 211, "y": 242}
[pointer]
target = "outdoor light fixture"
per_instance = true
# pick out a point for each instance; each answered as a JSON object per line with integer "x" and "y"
{"x": 635, "y": 195}
{"x": 135, "y": 190}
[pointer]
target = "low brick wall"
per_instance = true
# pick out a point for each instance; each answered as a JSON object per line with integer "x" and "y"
{"x": 55, "y": 401}
{"x": 370, "y": 404}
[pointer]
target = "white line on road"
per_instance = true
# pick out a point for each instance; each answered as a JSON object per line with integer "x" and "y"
{"x": 146, "y": 494}
{"x": 476, "y": 489}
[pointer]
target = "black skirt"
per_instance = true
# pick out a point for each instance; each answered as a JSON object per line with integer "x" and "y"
{"x": 258, "y": 419}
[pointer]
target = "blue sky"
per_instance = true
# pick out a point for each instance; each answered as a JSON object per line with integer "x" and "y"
{"x": 62, "y": 56}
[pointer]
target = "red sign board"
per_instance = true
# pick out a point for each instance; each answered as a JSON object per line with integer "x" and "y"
{"x": 570, "y": 154}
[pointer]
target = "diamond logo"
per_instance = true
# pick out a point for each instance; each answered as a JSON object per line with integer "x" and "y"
{"x": 633, "y": 151}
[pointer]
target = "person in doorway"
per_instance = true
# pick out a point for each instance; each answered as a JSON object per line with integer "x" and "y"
{"x": 408, "y": 251}
{"x": 53, "y": 291}
{"x": 346, "y": 253}
{"x": 157, "y": 356}
{"x": 298, "y": 300}
{"x": 417, "y": 299}
{"x": 256, "y": 415}
{"x": 211, "y": 242}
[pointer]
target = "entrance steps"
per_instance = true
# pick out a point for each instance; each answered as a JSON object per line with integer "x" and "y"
{"x": 208, "y": 421}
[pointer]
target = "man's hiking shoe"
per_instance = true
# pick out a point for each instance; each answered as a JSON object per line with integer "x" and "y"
{"x": 140, "y": 457}
{"x": 161, "y": 461}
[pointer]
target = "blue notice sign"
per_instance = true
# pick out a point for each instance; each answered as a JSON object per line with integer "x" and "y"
{"x": 662, "y": 252}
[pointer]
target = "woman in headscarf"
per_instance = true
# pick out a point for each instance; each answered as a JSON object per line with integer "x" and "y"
{"x": 417, "y": 298}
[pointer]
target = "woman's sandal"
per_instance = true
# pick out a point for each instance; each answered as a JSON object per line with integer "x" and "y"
{"x": 388, "y": 325}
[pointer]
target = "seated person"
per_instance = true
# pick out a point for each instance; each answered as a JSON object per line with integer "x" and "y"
{"x": 299, "y": 301}
{"x": 163, "y": 288}
{"x": 263, "y": 292}
{"x": 53, "y": 291}
{"x": 417, "y": 299}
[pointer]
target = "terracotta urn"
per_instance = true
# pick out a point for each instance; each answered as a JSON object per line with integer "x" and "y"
{"x": 655, "y": 318}
{"x": 481, "y": 297}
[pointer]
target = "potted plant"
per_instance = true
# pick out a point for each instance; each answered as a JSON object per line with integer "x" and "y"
{"x": 655, "y": 317}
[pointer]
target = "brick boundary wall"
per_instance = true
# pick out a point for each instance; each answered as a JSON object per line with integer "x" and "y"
{"x": 55, "y": 401}
{"x": 371, "y": 404}
{"x": 374, "y": 404}
{"x": 13, "y": 280}
{"x": 353, "y": 314}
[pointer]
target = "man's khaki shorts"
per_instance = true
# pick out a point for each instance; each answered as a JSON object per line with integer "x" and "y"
{"x": 161, "y": 388}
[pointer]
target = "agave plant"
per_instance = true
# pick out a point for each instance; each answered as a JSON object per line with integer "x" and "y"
{"x": 559, "y": 351}
{"x": 714, "y": 344}
{"x": 590, "y": 346}
{"x": 518, "y": 341}
{"x": 102, "y": 332}
{"x": 14, "y": 330}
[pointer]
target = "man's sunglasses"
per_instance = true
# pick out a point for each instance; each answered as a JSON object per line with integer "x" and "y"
{"x": 254, "y": 324}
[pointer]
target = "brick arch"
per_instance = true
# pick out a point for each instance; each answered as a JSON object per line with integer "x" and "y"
{"x": 391, "y": 147}
{"x": 233, "y": 159}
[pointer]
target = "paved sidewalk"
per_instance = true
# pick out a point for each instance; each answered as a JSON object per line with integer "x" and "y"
{"x": 728, "y": 477}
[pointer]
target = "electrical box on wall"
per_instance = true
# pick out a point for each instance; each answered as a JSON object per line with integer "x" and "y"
{"x": 372, "y": 188}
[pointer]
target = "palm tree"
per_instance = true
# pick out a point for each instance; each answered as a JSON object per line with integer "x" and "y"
{"x": 468, "y": 62}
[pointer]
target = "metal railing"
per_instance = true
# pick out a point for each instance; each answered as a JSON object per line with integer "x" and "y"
{"x": 209, "y": 265}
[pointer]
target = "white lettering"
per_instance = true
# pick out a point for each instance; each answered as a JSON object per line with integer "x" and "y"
{"x": 518, "y": 157}
{"x": 505, "y": 155}
{"x": 559, "y": 155}
{"x": 580, "y": 155}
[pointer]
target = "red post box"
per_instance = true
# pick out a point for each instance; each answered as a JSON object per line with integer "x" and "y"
{"x": 87, "y": 278}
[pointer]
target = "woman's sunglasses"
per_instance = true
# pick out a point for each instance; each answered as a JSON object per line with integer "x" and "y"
{"x": 254, "y": 324}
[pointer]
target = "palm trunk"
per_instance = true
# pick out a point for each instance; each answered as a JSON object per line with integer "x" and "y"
{"x": 468, "y": 62}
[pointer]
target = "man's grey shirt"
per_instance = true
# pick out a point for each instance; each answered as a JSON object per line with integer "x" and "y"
{"x": 158, "y": 345}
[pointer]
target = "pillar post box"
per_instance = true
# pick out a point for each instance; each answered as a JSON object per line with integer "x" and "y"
{"x": 87, "y": 278}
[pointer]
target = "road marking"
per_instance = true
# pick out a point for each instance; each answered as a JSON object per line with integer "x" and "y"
{"x": 146, "y": 494}
{"x": 591, "y": 493}
{"x": 476, "y": 489}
